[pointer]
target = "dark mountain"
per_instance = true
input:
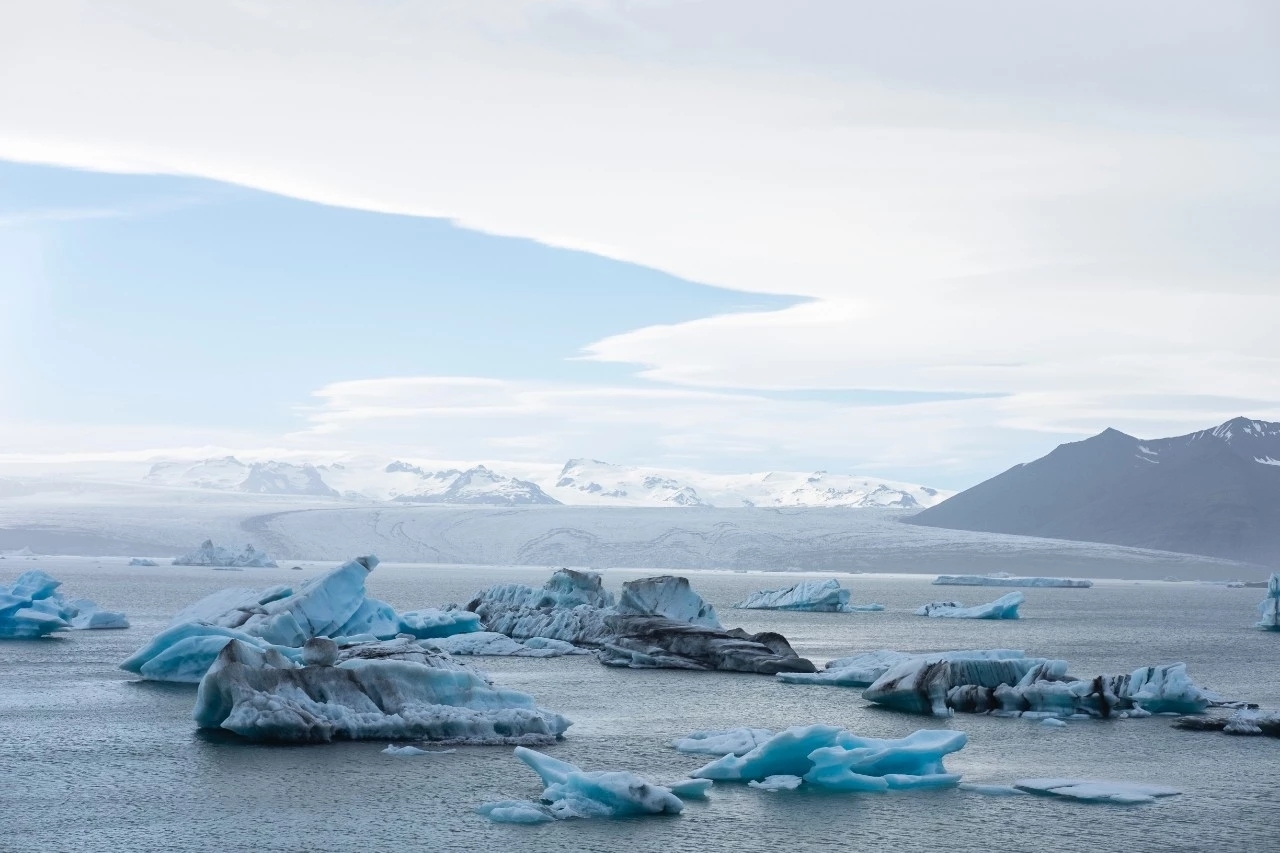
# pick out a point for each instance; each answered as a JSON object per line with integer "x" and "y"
{"x": 1215, "y": 492}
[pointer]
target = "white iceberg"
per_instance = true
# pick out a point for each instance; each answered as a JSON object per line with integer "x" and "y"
{"x": 836, "y": 759}
{"x": 738, "y": 741}
{"x": 1004, "y": 607}
{"x": 777, "y": 783}
{"x": 489, "y": 643}
{"x": 1096, "y": 790}
{"x": 1269, "y": 607}
{"x": 209, "y": 554}
{"x": 1006, "y": 579}
{"x": 413, "y": 751}
{"x": 864, "y": 669}
{"x": 330, "y": 605}
{"x": 380, "y": 691}
{"x": 658, "y": 622}
{"x": 691, "y": 789}
{"x": 32, "y": 607}
{"x": 571, "y": 792}
{"x": 810, "y": 595}
{"x": 1017, "y": 686}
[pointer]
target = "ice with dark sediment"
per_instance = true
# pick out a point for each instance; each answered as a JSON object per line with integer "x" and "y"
{"x": 379, "y": 690}
{"x": 658, "y": 622}
{"x": 862, "y": 670}
{"x": 1269, "y": 607}
{"x": 32, "y": 607}
{"x": 570, "y": 792}
{"x": 836, "y": 759}
{"x": 1244, "y": 721}
{"x": 492, "y": 644}
{"x": 810, "y": 595}
{"x": 1006, "y": 579}
{"x": 1004, "y": 607}
{"x": 1018, "y": 686}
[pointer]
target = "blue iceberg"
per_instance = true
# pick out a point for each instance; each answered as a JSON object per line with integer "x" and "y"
{"x": 1004, "y": 607}
{"x": 571, "y": 792}
{"x": 836, "y": 759}
{"x": 865, "y": 669}
{"x": 1269, "y": 607}
{"x": 32, "y": 608}
{"x": 810, "y": 595}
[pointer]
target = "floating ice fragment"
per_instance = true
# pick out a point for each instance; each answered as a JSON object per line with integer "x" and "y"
{"x": 1006, "y": 579}
{"x": 1269, "y": 607}
{"x": 722, "y": 742}
{"x": 209, "y": 554}
{"x": 1004, "y": 607}
{"x": 777, "y": 783}
{"x": 32, "y": 608}
{"x": 1097, "y": 790}
{"x": 691, "y": 789}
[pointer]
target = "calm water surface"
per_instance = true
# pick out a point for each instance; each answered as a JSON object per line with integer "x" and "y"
{"x": 91, "y": 759}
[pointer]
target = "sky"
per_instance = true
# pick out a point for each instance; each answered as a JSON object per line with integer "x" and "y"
{"x": 920, "y": 240}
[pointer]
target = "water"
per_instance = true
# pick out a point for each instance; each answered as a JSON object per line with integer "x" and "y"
{"x": 92, "y": 759}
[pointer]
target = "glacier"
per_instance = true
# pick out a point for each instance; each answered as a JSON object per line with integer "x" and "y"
{"x": 1033, "y": 686}
{"x": 209, "y": 554}
{"x": 810, "y": 595}
{"x": 1006, "y": 579}
{"x": 1269, "y": 607}
{"x": 571, "y": 792}
{"x": 381, "y": 690}
{"x": 31, "y": 608}
{"x": 330, "y": 605}
{"x": 864, "y": 669}
{"x": 1004, "y": 607}
{"x": 657, "y": 622}
{"x": 836, "y": 759}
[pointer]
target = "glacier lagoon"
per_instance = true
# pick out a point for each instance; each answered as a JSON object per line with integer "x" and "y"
{"x": 118, "y": 763}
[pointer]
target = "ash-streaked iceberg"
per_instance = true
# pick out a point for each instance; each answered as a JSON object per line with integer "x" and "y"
{"x": 658, "y": 622}
{"x": 1097, "y": 790}
{"x": 32, "y": 607}
{"x": 216, "y": 556}
{"x": 571, "y": 792}
{"x": 810, "y": 595}
{"x": 489, "y": 643}
{"x": 1017, "y": 686}
{"x": 1006, "y": 579}
{"x": 863, "y": 670}
{"x": 395, "y": 690}
{"x": 1269, "y": 607}
{"x": 737, "y": 741}
{"x": 1004, "y": 607}
{"x": 1244, "y": 721}
{"x": 836, "y": 759}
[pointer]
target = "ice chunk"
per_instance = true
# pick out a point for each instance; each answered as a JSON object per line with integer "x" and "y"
{"x": 691, "y": 789}
{"x": 385, "y": 690}
{"x": 777, "y": 783}
{"x": 863, "y": 670}
{"x": 424, "y": 624}
{"x": 404, "y": 751}
{"x": 209, "y": 554}
{"x": 183, "y": 653}
{"x": 669, "y": 597}
{"x": 837, "y": 759}
{"x": 32, "y": 607}
{"x": 1096, "y": 790}
{"x": 500, "y": 645}
{"x": 573, "y": 793}
{"x": 142, "y": 561}
{"x": 1269, "y": 607}
{"x": 1053, "y": 723}
{"x": 1005, "y": 579}
{"x": 1004, "y": 607}
{"x": 722, "y": 742}
{"x": 1245, "y": 721}
{"x": 819, "y": 596}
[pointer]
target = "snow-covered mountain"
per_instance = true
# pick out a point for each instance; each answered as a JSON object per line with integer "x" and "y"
{"x": 580, "y": 482}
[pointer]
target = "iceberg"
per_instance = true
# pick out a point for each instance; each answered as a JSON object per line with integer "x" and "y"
{"x": 691, "y": 789}
{"x": 1096, "y": 790}
{"x": 32, "y": 608}
{"x": 811, "y": 595}
{"x": 1004, "y": 607}
{"x": 209, "y": 554}
{"x": 142, "y": 561}
{"x": 379, "y": 690}
{"x": 1245, "y": 721}
{"x": 1269, "y": 607}
{"x": 1005, "y": 579}
{"x": 722, "y": 742}
{"x": 658, "y": 622}
{"x": 330, "y": 605}
{"x": 835, "y": 759}
{"x": 777, "y": 783}
{"x": 500, "y": 645}
{"x": 1017, "y": 686}
{"x": 863, "y": 670}
{"x": 571, "y": 792}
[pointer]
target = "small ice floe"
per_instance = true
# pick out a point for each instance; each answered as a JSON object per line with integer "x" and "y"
{"x": 810, "y": 595}
{"x": 833, "y": 758}
{"x": 1004, "y": 607}
{"x": 410, "y": 751}
{"x": 722, "y": 742}
{"x": 777, "y": 783}
{"x": 1053, "y": 723}
{"x": 571, "y": 792}
{"x": 691, "y": 789}
{"x": 1097, "y": 790}
{"x": 1245, "y": 721}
